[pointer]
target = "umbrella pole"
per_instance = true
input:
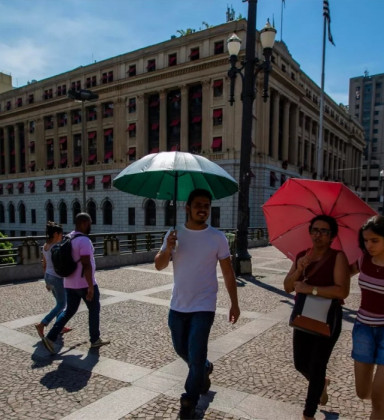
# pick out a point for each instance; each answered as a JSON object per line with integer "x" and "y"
{"x": 174, "y": 201}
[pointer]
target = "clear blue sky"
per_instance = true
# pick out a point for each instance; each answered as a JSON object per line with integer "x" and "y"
{"x": 42, "y": 38}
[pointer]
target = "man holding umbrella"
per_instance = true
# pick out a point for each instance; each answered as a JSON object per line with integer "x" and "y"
{"x": 195, "y": 248}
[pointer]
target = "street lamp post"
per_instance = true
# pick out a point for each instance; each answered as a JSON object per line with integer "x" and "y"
{"x": 83, "y": 95}
{"x": 251, "y": 67}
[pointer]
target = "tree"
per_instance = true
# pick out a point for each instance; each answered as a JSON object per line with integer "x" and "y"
{"x": 5, "y": 250}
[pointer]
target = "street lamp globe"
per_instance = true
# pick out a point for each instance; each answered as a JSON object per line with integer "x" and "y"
{"x": 233, "y": 44}
{"x": 267, "y": 36}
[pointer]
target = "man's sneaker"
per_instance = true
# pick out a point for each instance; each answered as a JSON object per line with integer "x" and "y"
{"x": 207, "y": 381}
{"x": 48, "y": 344}
{"x": 100, "y": 343}
{"x": 187, "y": 409}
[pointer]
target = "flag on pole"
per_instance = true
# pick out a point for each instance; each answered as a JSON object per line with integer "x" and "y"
{"x": 327, "y": 17}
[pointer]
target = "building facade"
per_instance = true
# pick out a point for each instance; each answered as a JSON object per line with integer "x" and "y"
{"x": 366, "y": 101}
{"x": 169, "y": 96}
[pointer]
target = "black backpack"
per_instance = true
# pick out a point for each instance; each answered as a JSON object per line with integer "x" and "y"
{"x": 62, "y": 259}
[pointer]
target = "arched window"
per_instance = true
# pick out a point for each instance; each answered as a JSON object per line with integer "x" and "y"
{"x": 150, "y": 213}
{"x": 2, "y": 213}
{"x": 91, "y": 210}
{"x": 169, "y": 214}
{"x": 76, "y": 209}
{"x": 63, "y": 213}
{"x": 107, "y": 212}
{"x": 50, "y": 212}
{"x": 11, "y": 213}
{"x": 22, "y": 213}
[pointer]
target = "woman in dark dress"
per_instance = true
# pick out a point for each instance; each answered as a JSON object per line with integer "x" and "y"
{"x": 320, "y": 271}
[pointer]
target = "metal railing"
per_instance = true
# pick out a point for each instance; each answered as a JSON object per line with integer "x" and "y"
{"x": 28, "y": 248}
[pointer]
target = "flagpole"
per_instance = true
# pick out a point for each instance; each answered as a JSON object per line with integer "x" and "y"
{"x": 321, "y": 122}
{"x": 281, "y": 20}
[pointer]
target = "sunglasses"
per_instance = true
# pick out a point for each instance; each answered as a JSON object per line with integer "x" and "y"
{"x": 317, "y": 231}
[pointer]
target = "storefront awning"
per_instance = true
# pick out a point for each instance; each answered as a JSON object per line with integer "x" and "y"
{"x": 216, "y": 142}
{"x": 106, "y": 179}
{"x": 90, "y": 180}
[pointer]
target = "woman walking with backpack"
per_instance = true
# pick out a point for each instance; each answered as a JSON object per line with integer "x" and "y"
{"x": 53, "y": 281}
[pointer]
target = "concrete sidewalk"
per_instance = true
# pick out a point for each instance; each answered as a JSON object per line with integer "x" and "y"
{"x": 139, "y": 376}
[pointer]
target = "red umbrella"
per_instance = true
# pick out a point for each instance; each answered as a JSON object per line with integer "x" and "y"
{"x": 289, "y": 211}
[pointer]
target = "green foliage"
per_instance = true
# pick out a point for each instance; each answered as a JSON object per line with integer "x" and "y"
{"x": 183, "y": 32}
{"x": 5, "y": 249}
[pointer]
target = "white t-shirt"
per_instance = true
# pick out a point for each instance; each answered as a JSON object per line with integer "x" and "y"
{"x": 194, "y": 264}
{"x": 48, "y": 260}
{"x": 81, "y": 246}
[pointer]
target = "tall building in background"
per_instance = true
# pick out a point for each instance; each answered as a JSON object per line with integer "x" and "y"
{"x": 366, "y": 103}
{"x": 169, "y": 96}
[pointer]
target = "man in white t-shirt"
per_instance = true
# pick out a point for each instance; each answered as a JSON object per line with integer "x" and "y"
{"x": 195, "y": 248}
{"x": 80, "y": 285}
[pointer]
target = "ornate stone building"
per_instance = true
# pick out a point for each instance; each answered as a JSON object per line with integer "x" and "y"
{"x": 169, "y": 96}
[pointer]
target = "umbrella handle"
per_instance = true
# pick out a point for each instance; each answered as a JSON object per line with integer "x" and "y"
{"x": 174, "y": 201}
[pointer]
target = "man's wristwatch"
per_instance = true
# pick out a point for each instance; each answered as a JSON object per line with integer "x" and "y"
{"x": 314, "y": 291}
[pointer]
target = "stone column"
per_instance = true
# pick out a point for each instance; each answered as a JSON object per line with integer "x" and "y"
{"x": 293, "y": 140}
{"x": 300, "y": 116}
{"x": 119, "y": 132}
{"x": 206, "y": 112}
{"x": 55, "y": 144}
{"x": 286, "y": 108}
{"x": 184, "y": 123}
{"x": 310, "y": 145}
{"x": 7, "y": 150}
{"x": 265, "y": 112}
{"x": 141, "y": 126}
{"x": 26, "y": 145}
{"x": 40, "y": 146}
{"x": 331, "y": 167}
{"x": 100, "y": 134}
{"x": 275, "y": 125}
{"x": 16, "y": 133}
{"x": 163, "y": 121}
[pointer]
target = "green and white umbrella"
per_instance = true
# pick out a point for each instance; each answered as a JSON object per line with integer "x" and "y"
{"x": 173, "y": 175}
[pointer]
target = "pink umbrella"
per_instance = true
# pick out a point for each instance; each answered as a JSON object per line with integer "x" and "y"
{"x": 289, "y": 211}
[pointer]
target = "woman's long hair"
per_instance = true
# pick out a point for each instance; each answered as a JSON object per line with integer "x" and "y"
{"x": 51, "y": 228}
{"x": 376, "y": 225}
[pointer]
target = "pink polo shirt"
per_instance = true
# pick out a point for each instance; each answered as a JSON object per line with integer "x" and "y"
{"x": 81, "y": 246}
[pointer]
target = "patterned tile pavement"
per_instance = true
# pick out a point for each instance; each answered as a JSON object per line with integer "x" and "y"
{"x": 138, "y": 376}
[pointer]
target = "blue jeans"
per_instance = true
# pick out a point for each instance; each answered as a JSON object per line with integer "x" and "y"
{"x": 190, "y": 333}
{"x": 74, "y": 297}
{"x": 58, "y": 291}
{"x": 368, "y": 343}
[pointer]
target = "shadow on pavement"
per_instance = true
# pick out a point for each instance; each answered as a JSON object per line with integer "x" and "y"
{"x": 203, "y": 404}
{"x": 330, "y": 415}
{"x": 74, "y": 371}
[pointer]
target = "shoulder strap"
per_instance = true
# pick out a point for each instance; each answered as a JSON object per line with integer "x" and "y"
{"x": 77, "y": 235}
{"x": 319, "y": 264}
